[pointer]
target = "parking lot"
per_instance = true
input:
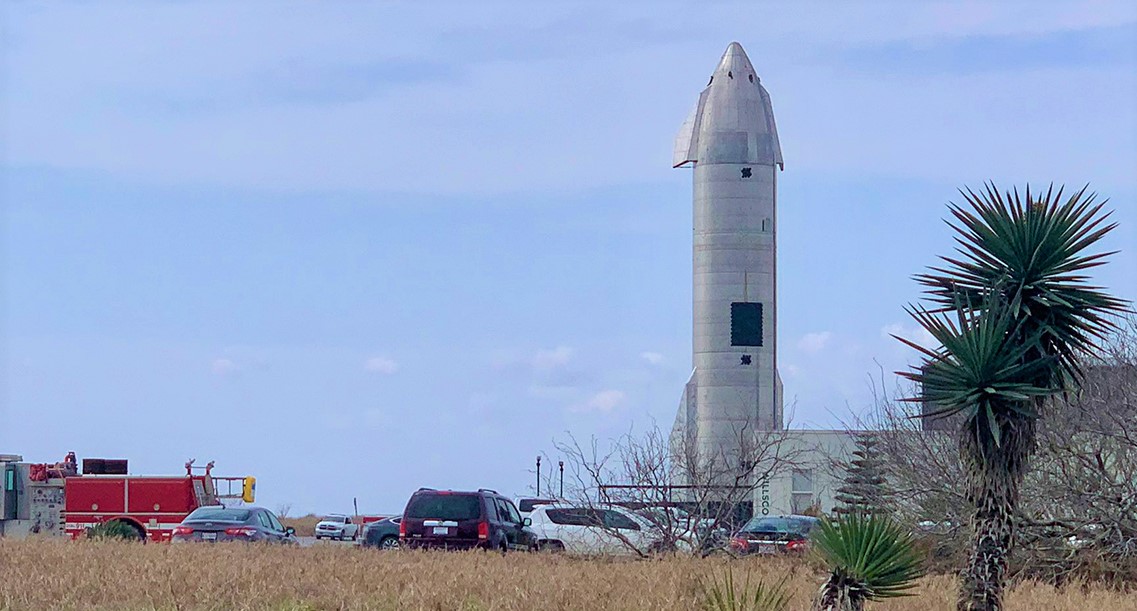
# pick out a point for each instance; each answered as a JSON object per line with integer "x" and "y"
{"x": 311, "y": 541}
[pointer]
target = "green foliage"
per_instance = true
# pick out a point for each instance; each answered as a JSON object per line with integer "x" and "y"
{"x": 1029, "y": 251}
{"x": 1018, "y": 288}
{"x": 864, "y": 489}
{"x": 978, "y": 371}
{"x": 724, "y": 596}
{"x": 1024, "y": 315}
{"x": 870, "y": 557}
{"x": 115, "y": 529}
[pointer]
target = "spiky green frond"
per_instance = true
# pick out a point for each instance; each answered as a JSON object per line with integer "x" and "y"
{"x": 978, "y": 370}
{"x": 869, "y": 555}
{"x": 1031, "y": 250}
{"x": 758, "y": 596}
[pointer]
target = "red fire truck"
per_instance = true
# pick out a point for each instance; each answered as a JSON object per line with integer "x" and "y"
{"x": 153, "y": 505}
{"x": 57, "y": 499}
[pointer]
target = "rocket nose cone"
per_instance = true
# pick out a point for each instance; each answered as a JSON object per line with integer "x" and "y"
{"x": 735, "y": 62}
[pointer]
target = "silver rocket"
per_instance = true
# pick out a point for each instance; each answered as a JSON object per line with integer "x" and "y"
{"x": 732, "y": 143}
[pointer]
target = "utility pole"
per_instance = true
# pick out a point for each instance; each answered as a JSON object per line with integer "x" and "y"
{"x": 538, "y": 476}
{"x": 561, "y": 464}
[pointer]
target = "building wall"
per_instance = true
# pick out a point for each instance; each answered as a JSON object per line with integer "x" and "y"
{"x": 810, "y": 475}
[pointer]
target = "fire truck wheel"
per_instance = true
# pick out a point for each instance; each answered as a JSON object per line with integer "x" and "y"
{"x": 138, "y": 532}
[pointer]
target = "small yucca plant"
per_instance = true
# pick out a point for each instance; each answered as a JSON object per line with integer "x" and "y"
{"x": 115, "y": 529}
{"x": 869, "y": 558}
{"x": 723, "y": 596}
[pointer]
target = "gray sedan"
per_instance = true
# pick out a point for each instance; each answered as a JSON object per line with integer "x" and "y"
{"x": 217, "y": 524}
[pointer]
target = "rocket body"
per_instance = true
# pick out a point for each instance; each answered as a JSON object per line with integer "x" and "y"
{"x": 732, "y": 143}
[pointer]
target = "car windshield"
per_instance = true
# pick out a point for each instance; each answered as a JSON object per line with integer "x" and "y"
{"x": 527, "y": 505}
{"x": 336, "y": 519}
{"x": 663, "y": 514}
{"x": 778, "y": 525}
{"x": 445, "y": 506}
{"x": 218, "y": 514}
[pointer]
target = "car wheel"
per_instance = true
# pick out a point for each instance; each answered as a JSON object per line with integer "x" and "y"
{"x": 552, "y": 546}
{"x": 503, "y": 548}
{"x": 318, "y": 537}
{"x": 354, "y": 536}
{"x": 389, "y": 542}
{"x": 722, "y": 551}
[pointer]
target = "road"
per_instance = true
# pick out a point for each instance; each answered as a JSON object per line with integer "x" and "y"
{"x": 310, "y": 541}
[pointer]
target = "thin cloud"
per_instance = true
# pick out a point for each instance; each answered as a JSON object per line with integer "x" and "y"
{"x": 814, "y": 342}
{"x": 916, "y": 334}
{"x": 380, "y": 364}
{"x": 224, "y": 367}
{"x": 604, "y": 401}
{"x": 653, "y": 358}
{"x": 546, "y": 360}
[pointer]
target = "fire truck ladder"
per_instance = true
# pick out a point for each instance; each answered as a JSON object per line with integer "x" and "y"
{"x": 210, "y": 490}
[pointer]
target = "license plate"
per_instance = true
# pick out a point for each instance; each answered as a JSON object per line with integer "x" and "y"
{"x": 208, "y": 536}
{"x": 767, "y": 548}
{"x": 441, "y": 530}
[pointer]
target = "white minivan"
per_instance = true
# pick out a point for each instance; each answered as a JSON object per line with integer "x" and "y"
{"x": 592, "y": 530}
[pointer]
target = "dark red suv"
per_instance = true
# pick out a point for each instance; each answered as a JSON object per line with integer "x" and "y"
{"x": 451, "y": 519}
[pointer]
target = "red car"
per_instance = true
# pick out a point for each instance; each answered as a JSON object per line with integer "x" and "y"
{"x": 774, "y": 535}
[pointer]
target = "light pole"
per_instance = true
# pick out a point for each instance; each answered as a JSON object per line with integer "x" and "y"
{"x": 538, "y": 476}
{"x": 561, "y": 464}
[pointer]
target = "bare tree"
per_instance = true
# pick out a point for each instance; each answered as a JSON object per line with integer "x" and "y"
{"x": 691, "y": 498}
{"x": 1085, "y": 481}
{"x": 1078, "y": 513}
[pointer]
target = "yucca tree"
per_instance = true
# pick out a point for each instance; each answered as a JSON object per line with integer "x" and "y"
{"x": 751, "y": 596}
{"x": 1013, "y": 311}
{"x": 869, "y": 558}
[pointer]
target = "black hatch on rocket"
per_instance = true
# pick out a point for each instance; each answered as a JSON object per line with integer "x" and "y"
{"x": 745, "y": 324}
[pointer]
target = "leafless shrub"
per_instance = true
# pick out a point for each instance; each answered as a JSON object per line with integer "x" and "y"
{"x": 691, "y": 498}
{"x": 1079, "y": 501}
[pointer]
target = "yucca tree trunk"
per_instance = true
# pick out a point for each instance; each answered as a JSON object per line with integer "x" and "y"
{"x": 995, "y": 475}
{"x": 838, "y": 594}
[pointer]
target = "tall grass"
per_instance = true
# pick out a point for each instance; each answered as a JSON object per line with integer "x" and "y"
{"x": 305, "y": 525}
{"x": 105, "y": 575}
{"x": 722, "y": 594}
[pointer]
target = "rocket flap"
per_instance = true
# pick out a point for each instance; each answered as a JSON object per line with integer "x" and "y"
{"x": 687, "y": 142}
{"x": 772, "y": 129}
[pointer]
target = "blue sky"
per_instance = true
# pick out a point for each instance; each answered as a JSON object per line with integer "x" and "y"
{"x": 357, "y": 248}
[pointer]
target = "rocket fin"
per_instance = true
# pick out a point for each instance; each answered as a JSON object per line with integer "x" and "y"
{"x": 687, "y": 142}
{"x": 685, "y": 429}
{"x": 772, "y": 128}
{"x": 779, "y": 402}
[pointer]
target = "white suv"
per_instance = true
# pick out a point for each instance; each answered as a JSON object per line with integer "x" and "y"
{"x": 592, "y": 530}
{"x": 337, "y": 526}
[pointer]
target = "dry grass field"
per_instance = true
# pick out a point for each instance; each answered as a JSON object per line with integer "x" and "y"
{"x": 49, "y": 574}
{"x": 305, "y": 525}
